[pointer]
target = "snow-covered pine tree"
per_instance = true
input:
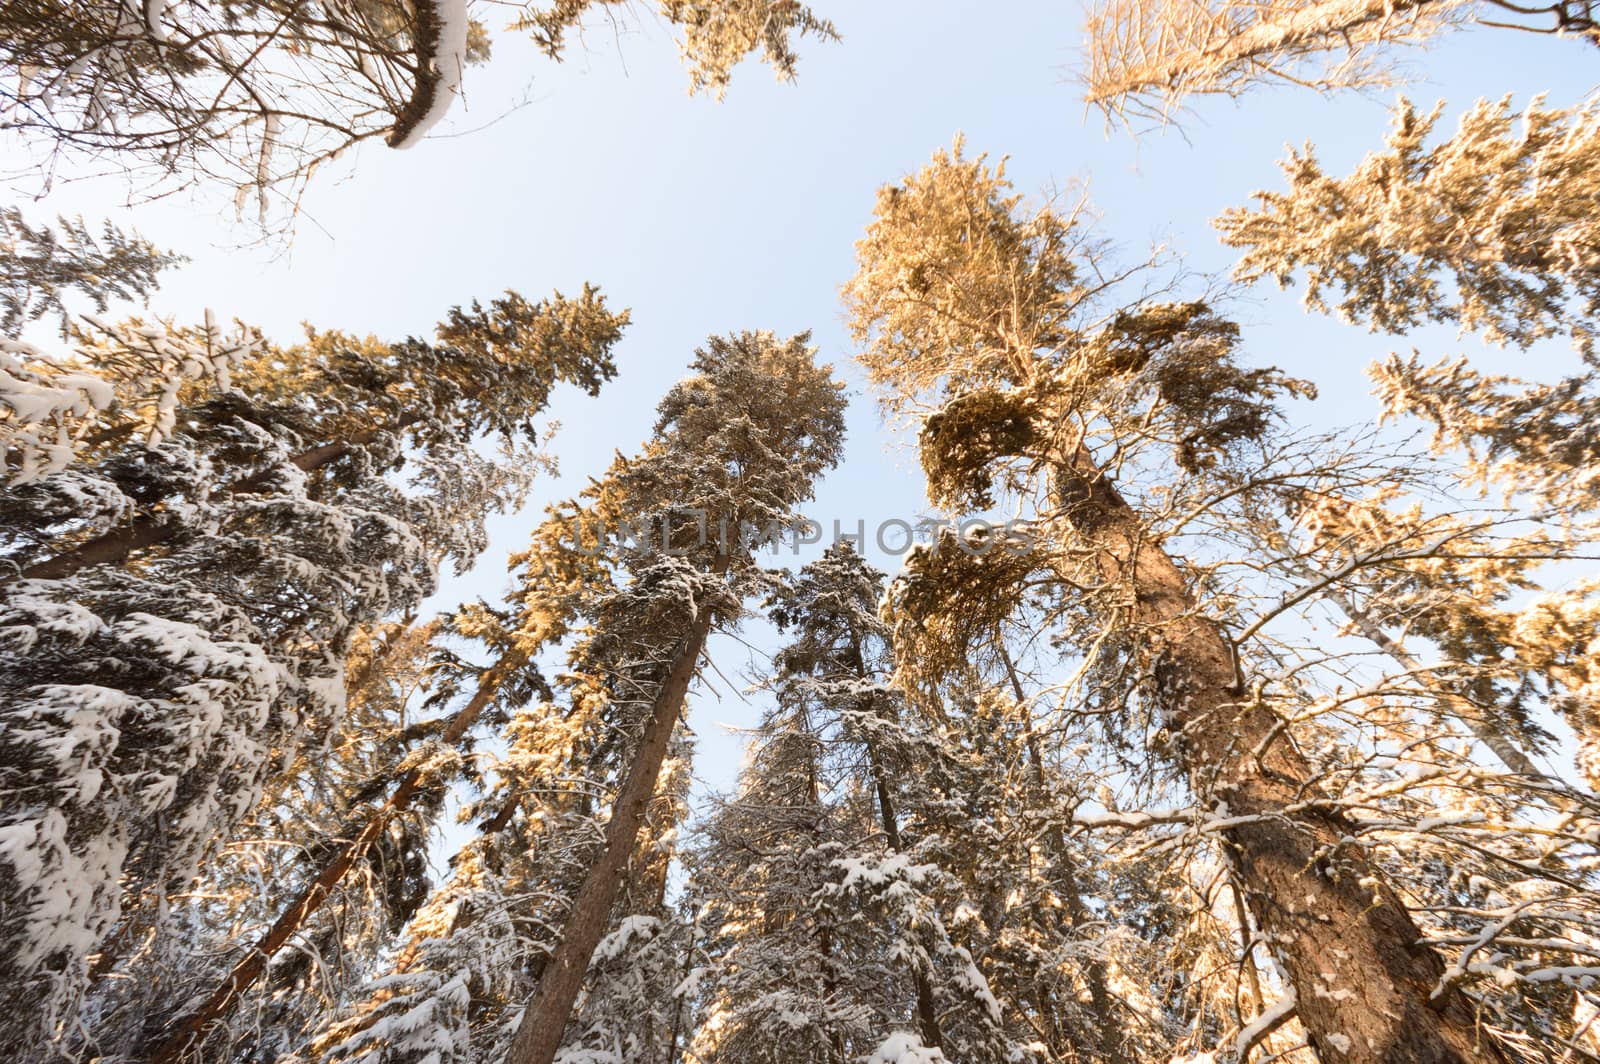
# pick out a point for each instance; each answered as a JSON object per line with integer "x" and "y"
{"x": 981, "y": 315}
{"x": 831, "y": 928}
{"x": 739, "y": 444}
{"x": 1074, "y": 980}
{"x": 333, "y": 406}
{"x": 152, "y": 694}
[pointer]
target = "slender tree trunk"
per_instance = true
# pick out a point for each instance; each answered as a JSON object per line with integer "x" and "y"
{"x": 836, "y": 1051}
{"x": 1364, "y": 980}
{"x": 188, "y": 1033}
{"x": 927, "y": 1010}
{"x": 673, "y": 1054}
{"x": 545, "y": 1018}
{"x": 1247, "y": 950}
{"x": 1107, "y": 1027}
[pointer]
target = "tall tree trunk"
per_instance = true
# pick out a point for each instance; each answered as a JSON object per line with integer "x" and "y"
{"x": 188, "y": 1033}
{"x": 1363, "y": 979}
{"x": 545, "y": 1019}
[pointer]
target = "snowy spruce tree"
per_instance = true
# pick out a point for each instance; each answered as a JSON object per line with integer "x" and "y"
{"x": 41, "y": 268}
{"x": 830, "y": 927}
{"x": 188, "y": 577}
{"x": 739, "y": 444}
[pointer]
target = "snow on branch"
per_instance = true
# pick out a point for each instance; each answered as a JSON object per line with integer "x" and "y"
{"x": 441, "y": 55}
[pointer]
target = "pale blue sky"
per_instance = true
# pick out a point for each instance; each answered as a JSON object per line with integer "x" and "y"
{"x": 706, "y": 217}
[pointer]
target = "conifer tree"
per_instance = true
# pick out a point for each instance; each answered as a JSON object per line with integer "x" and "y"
{"x": 827, "y": 910}
{"x": 553, "y": 575}
{"x": 321, "y": 799}
{"x": 152, "y": 695}
{"x": 983, "y": 315}
{"x": 738, "y": 446}
{"x": 1485, "y": 229}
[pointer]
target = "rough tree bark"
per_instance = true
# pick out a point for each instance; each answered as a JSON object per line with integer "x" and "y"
{"x": 1363, "y": 978}
{"x": 545, "y": 1018}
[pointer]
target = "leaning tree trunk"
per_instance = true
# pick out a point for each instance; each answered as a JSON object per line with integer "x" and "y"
{"x": 545, "y": 1019}
{"x": 1364, "y": 980}
{"x": 188, "y": 1033}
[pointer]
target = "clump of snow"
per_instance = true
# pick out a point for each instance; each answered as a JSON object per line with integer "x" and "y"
{"x": 875, "y": 873}
{"x": 153, "y": 10}
{"x": 903, "y": 1047}
{"x": 1264, "y": 1022}
{"x": 615, "y": 944}
{"x": 50, "y": 403}
{"x": 448, "y": 58}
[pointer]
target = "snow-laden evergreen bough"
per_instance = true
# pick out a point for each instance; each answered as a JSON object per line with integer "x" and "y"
{"x": 184, "y": 588}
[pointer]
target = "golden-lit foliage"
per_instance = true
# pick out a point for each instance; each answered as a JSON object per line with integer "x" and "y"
{"x": 1146, "y": 57}
{"x": 957, "y": 285}
{"x": 953, "y": 594}
{"x": 960, "y": 442}
{"x": 1491, "y": 228}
